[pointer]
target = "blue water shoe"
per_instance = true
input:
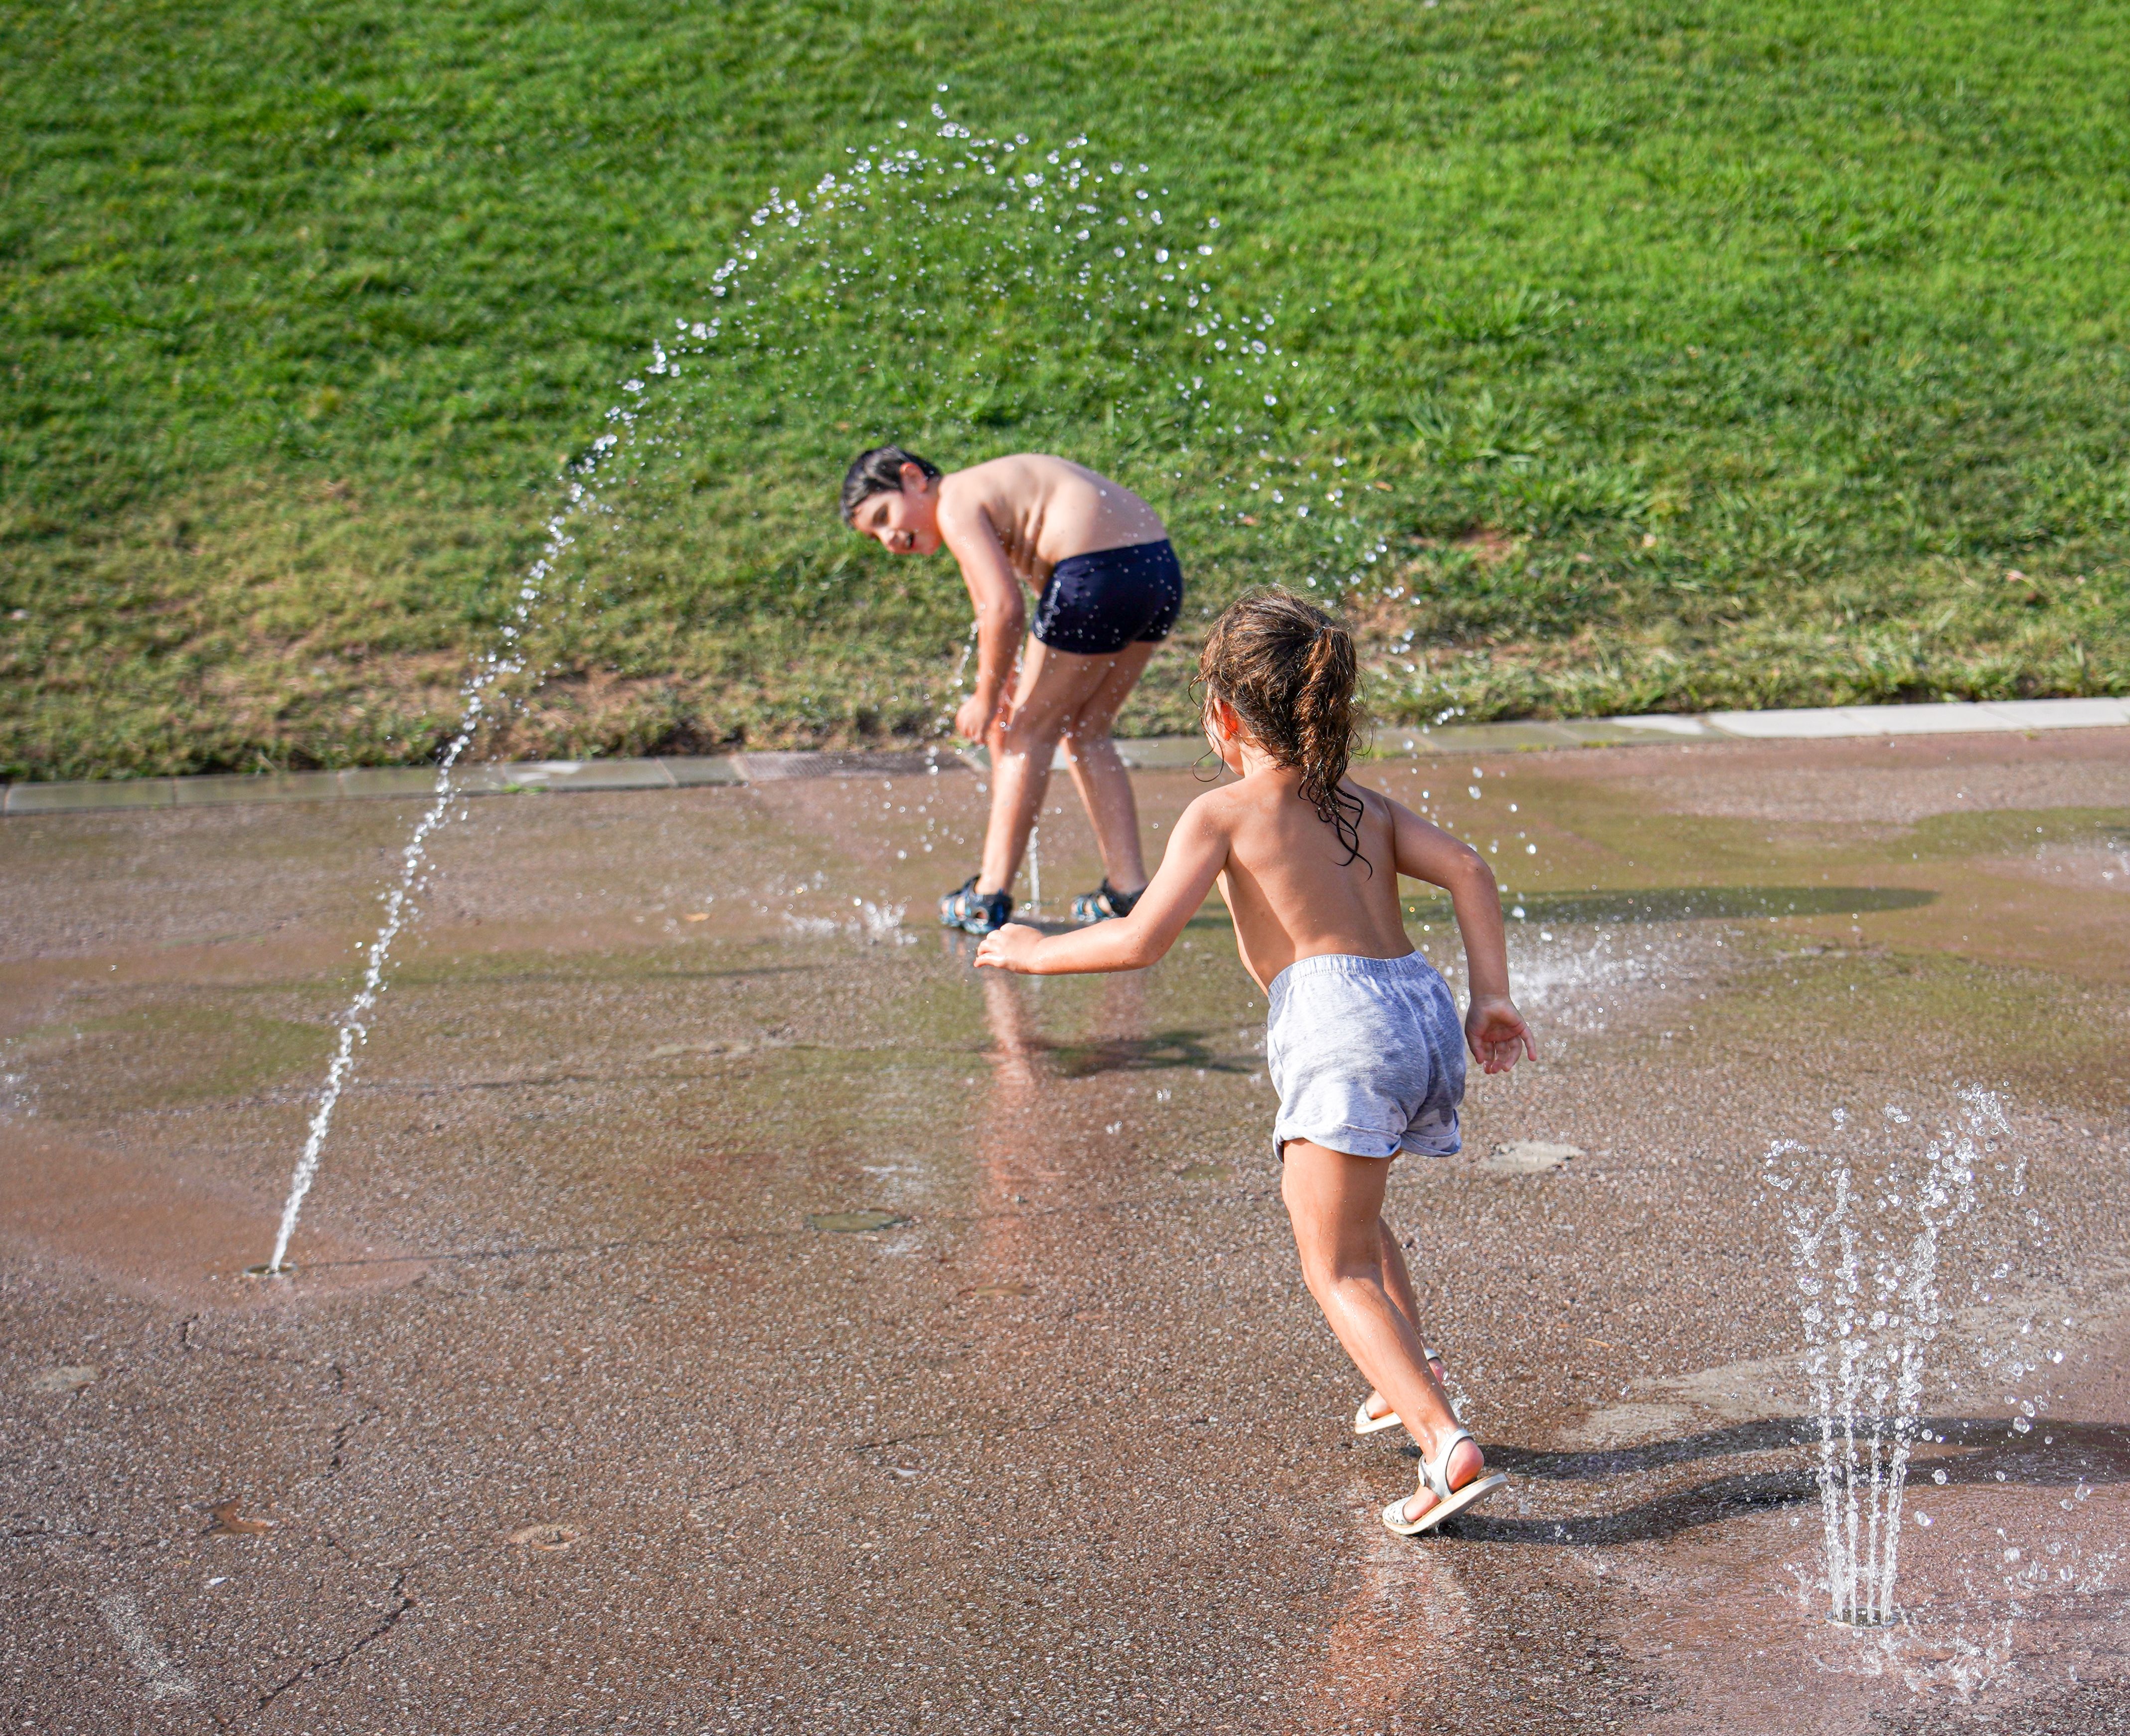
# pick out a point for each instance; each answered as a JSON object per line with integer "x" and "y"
{"x": 979, "y": 912}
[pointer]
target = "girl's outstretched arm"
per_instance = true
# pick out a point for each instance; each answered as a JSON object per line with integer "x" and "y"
{"x": 1197, "y": 851}
{"x": 1496, "y": 1030}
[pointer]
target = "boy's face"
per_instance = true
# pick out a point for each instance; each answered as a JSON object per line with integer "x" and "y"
{"x": 906, "y": 522}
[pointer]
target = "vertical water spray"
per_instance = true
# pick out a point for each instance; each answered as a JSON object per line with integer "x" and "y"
{"x": 1866, "y": 1213}
{"x": 503, "y": 662}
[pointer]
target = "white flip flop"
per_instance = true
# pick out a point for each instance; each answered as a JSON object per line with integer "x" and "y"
{"x": 1363, "y": 1423}
{"x": 1448, "y": 1502}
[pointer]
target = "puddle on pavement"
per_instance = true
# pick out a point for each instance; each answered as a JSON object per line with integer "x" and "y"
{"x": 1527, "y": 1157}
{"x": 545, "y": 1539}
{"x": 853, "y": 1223}
{"x": 640, "y": 1040}
{"x": 162, "y": 1229}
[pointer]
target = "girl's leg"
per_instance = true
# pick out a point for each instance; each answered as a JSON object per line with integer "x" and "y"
{"x": 1334, "y": 1201}
{"x": 1398, "y": 1282}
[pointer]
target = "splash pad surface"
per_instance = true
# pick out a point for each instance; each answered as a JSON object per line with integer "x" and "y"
{"x": 710, "y": 1270}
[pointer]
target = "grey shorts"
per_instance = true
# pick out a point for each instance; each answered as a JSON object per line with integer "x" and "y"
{"x": 1367, "y": 1055}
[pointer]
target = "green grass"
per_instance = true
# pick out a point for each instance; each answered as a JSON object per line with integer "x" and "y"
{"x": 1706, "y": 355}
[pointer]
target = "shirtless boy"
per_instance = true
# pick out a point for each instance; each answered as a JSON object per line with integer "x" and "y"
{"x": 1108, "y": 590}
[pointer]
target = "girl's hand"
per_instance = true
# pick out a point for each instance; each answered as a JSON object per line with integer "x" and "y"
{"x": 1010, "y": 948}
{"x": 1496, "y": 1030}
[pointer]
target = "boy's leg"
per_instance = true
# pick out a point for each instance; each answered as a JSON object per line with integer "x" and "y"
{"x": 1098, "y": 770}
{"x": 1334, "y": 1201}
{"x": 1054, "y": 687}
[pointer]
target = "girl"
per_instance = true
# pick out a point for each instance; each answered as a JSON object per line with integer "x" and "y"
{"x": 1362, "y": 1041}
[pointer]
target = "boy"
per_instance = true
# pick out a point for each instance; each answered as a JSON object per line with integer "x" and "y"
{"x": 1109, "y": 590}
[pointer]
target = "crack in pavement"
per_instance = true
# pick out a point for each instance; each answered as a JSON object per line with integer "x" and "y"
{"x": 385, "y": 1626}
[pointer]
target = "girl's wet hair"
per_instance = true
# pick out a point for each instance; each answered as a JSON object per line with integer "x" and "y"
{"x": 1289, "y": 669}
{"x": 879, "y": 472}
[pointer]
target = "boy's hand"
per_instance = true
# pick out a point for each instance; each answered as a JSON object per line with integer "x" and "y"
{"x": 1497, "y": 1031}
{"x": 1010, "y": 948}
{"x": 972, "y": 719}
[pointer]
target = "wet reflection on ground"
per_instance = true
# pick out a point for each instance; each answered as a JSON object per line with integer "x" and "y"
{"x": 719, "y": 1308}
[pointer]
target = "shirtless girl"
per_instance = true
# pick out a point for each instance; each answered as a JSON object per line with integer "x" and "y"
{"x": 1362, "y": 1037}
{"x": 1108, "y": 590}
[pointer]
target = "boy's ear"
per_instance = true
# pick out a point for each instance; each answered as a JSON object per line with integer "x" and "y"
{"x": 914, "y": 477}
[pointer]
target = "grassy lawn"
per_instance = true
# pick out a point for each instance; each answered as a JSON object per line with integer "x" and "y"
{"x": 1668, "y": 356}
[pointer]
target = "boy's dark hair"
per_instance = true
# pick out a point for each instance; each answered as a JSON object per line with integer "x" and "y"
{"x": 1289, "y": 669}
{"x": 879, "y": 472}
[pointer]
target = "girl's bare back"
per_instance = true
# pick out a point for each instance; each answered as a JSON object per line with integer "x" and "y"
{"x": 1044, "y": 510}
{"x": 1288, "y": 881}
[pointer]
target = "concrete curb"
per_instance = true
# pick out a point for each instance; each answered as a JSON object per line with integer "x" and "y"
{"x": 1145, "y": 754}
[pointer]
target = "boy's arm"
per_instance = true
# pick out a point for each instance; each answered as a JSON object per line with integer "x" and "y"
{"x": 1001, "y": 614}
{"x": 1494, "y": 1029}
{"x": 1197, "y": 851}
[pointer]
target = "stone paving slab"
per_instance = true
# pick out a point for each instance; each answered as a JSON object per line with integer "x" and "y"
{"x": 369, "y": 782}
{"x": 79, "y": 797}
{"x": 696, "y": 771}
{"x": 1151, "y": 753}
{"x": 762, "y": 768}
{"x": 507, "y": 780}
{"x": 271, "y": 786}
{"x": 2062, "y": 713}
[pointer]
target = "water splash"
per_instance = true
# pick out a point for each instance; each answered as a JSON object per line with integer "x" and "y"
{"x": 1866, "y": 1215}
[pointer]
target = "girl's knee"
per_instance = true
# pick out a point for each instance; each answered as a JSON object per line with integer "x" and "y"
{"x": 1327, "y": 1270}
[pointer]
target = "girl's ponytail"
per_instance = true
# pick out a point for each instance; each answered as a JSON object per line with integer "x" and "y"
{"x": 1290, "y": 671}
{"x": 1325, "y": 730}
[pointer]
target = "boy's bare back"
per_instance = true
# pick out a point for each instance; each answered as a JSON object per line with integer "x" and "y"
{"x": 1042, "y": 510}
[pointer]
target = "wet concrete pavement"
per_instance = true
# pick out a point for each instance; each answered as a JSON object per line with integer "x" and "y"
{"x": 719, "y": 1310}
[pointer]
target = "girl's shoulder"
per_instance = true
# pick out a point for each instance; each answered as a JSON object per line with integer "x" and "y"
{"x": 1371, "y": 798}
{"x": 1267, "y": 793}
{"x": 1221, "y": 804}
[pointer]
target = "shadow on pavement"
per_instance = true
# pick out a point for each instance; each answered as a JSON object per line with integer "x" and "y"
{"x": 1975, "y": 1450}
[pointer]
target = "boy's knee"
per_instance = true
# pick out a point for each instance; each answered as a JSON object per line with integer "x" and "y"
{"x": 1082, "y": 743}
{"x": 1021, "y": 736}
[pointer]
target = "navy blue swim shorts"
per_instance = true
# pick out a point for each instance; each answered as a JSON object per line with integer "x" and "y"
{"x": 1097, "y": 604}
